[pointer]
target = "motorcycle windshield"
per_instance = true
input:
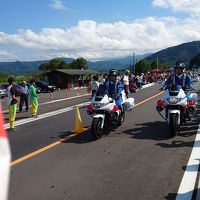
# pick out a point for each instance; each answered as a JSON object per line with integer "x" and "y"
{"x": 100, "y": 94}
{"x": 174, "y": 90}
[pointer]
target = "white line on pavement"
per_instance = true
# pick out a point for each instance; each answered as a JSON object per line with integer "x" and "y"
{"x": 74, "y": 97}
{"x": 45, "y": 115}
{"x": 65, "y": 99}
{"x": 49, "y": 114}
{"x": 187, "y": 185}
{"x": 58, "y": 100}
{"x": 147, "y": 85}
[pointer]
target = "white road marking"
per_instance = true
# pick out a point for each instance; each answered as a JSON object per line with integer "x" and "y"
{"x": 74, "y": 97}
{"x": 50, "y": 114}
{"x": 45, "y": 115}
{"x": 187, "y": 185}
{"x": 147, "y": 85}
{"x": 58, "y": 100}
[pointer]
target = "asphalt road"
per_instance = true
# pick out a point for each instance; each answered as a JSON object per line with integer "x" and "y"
{"x": 138, "y": 160}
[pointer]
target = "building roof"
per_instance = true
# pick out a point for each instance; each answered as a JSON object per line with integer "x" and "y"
{"x": 77, "y": 71}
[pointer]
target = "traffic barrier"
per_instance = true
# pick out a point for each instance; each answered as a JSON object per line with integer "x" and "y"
{"x": 89, "y": 88}
{"x": 67, "y": 93}
{"x": 78, "y": 123}
{"x": 5, "y": 157}
{"x": 78, "y": 91}
{"x": 51, "y": 96}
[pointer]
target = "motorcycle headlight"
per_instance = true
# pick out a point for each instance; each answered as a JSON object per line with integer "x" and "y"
{"x": 173, "y": 100}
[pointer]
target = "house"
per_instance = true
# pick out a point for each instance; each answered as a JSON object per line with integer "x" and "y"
{"x": 64, "y": 78}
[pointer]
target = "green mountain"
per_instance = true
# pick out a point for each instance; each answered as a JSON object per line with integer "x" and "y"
{"x": 19, "y": 68}
{"x": 169, "y": 56}
{"x": 27, "y": 67}
{"x": 184, "y": 52}
{"x": 23, "y": 67}
{"x": 119, "y": 63}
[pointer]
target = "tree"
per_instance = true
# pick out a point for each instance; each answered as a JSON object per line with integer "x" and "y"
{"x": 79, "y": 63}
{"x": 195, "y": 61}
{"x": 142, "y": 66}
{"x": 56, "y": 63}
{"x": 154, "y": 64}
{"x": 3, "y": 78}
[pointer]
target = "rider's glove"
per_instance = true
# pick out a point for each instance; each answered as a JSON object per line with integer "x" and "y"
{"x": 162, "y": 88}
{"x": 113, "y": 96}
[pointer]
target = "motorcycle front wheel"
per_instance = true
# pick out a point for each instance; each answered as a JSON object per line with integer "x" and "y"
{"x": 173, "y": 124}
{"x": 96, "y": 129}
{"x": 121, "y": 119}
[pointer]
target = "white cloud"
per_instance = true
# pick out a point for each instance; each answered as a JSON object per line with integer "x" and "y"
{"x": 160, "y": 3}
{"x": 191, "y": 7}
{"x": 5, "y": 56}
{"x": 95, "y": 41}
{"x": 58, "y": 5}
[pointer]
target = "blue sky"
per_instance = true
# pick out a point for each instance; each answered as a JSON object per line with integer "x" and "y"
{"x": 96, "y": 30}
{"x": 38, "y": 14}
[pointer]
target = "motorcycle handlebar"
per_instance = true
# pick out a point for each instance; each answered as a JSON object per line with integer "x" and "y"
{"x": 185, "y": 89}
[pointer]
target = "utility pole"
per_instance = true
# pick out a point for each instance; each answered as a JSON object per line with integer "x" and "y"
{"x": 134, "y": 63}
{"x": 157, "y": 68}
{"x": 157, "y": 62}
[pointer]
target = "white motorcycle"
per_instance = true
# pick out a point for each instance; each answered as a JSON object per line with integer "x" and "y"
{"x": 177, "y": 107}
{"x": 106, "y": 113}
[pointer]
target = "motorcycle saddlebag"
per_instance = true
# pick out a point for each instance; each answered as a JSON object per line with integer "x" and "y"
{"x": 129, "y": 104}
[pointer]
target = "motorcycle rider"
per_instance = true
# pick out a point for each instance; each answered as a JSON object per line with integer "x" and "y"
{"x": 113, "y": 88}
{"x": 179, "y": 77}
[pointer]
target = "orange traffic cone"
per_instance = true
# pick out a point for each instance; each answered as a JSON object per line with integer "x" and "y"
{"x": 78, "y": 123}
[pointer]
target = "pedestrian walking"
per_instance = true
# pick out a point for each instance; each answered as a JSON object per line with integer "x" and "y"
{"x": 12, "y": 102}
{"x": 33, "y": 99}
{"x": 24, "y": 93}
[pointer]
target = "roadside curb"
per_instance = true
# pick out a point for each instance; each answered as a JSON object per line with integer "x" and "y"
{"x": 148, "y": 85}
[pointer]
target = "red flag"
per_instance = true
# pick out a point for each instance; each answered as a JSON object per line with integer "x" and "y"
{"x": 5, "y": 158}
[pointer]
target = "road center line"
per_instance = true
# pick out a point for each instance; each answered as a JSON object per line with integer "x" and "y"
{"x": 148, "y": 99}
{"x": 15, "y": 162}
{"x": 19, "y": 160}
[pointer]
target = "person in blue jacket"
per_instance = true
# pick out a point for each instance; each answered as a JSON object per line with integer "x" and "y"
{"x": 113, "y": 87}
{"x": 179, "y": 77}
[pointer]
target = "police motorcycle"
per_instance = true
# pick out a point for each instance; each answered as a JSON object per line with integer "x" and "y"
{"x": 177, "y": 107}
{"x": 106, "y": 114}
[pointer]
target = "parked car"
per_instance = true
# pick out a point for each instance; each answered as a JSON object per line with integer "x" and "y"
{"x": 3, "y": 92}
{"x": 45, "y": 87}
